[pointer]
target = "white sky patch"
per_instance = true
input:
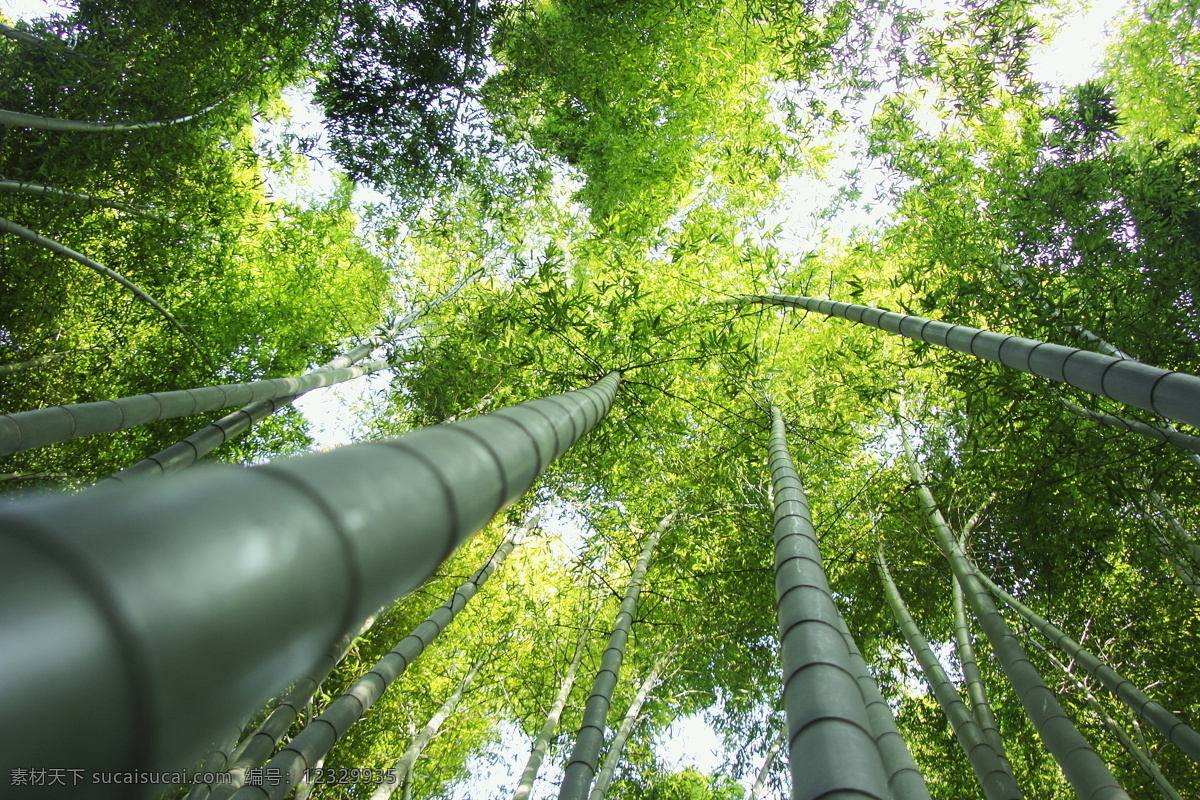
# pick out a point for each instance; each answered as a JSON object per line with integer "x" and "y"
{"x": 691, "y": 742}
{"x": 33, "y": 9}
{"x": 1074, "y": 53}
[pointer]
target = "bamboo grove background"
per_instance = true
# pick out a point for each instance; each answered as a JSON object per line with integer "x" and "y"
{"x": 564, "y": 190}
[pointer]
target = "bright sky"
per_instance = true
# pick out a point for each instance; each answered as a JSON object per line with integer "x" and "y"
{"x": 1072, "y": 57}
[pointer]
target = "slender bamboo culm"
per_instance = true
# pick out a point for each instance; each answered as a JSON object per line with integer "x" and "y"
{"x": 29, "y": 429}
{"x": 188, "y": 451}
{"x": 581, "y": 767}
{"x": 1080, "y": 764}
{"x": 318, "y": 737}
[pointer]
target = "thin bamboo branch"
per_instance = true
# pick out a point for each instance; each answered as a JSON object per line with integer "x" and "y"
{"x": 541, "y": 742}
{"x": 55, "y": 46}
{"x": 1189, "y": 444}
{"x": 760, "y": 781}
{"x": 63, "y": 250}
{"x": 981, "y": 707}
{"x": 617, "y": 746}
{"x": 32, "y": 121}
{"x": 399, "y": 772}
{"x": 40, "y": 361}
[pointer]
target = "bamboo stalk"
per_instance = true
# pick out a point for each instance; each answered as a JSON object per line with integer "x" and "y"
{"x": 1080, "y": 764}
{"x": 28, "y": 429}
{"x": 990, "y": 768}
{"x": 903, "y": 776}
{"x": 1175, "y": 395}
{"x": 188, "y": 451}
{"x": 831, "y": 745}
{"x": 541, "y": 742}
{"x": 617, "y": 746}
{"x": 167, "y": 579}
{"x": 57, "y": 247}
{"x": 1175, "y": 730}
{"x": 317, "y": 738}
{"x": 581, "y": 766}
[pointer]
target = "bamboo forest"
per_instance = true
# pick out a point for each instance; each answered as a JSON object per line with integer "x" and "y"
{"x": 628, "y": 399}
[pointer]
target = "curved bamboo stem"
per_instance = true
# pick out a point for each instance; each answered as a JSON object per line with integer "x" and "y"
{"x": 56, "y": 247}
{"x": 39, "y": 189}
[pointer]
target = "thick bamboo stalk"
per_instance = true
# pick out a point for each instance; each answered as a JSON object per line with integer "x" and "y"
{"x": 28, "y": 429}
{"x": 990, "y": 769}
{"x": 981, "y": 707}
{"x": 316, "y": 739}
{"x": 831, "y": 745}
{"x": 402, "y": 769}
{"x": 537, "y": 753}
{"x": 581, "y": 766}
{"x": 22, "y": 232}
{"x": 173, "y": 609}
{"x": 1176, "y": 730}
{"x": 1189, "y": 444}
{"x": 617, "y": 746}
{"x": 1080, "y": 764}
{"x": 188, "y": 451}
{"x": 903, "y": 776}
{"x": 1144, "y": 760}
{"x": 39, "y": 189}
{"x": 1175, "y": 395}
